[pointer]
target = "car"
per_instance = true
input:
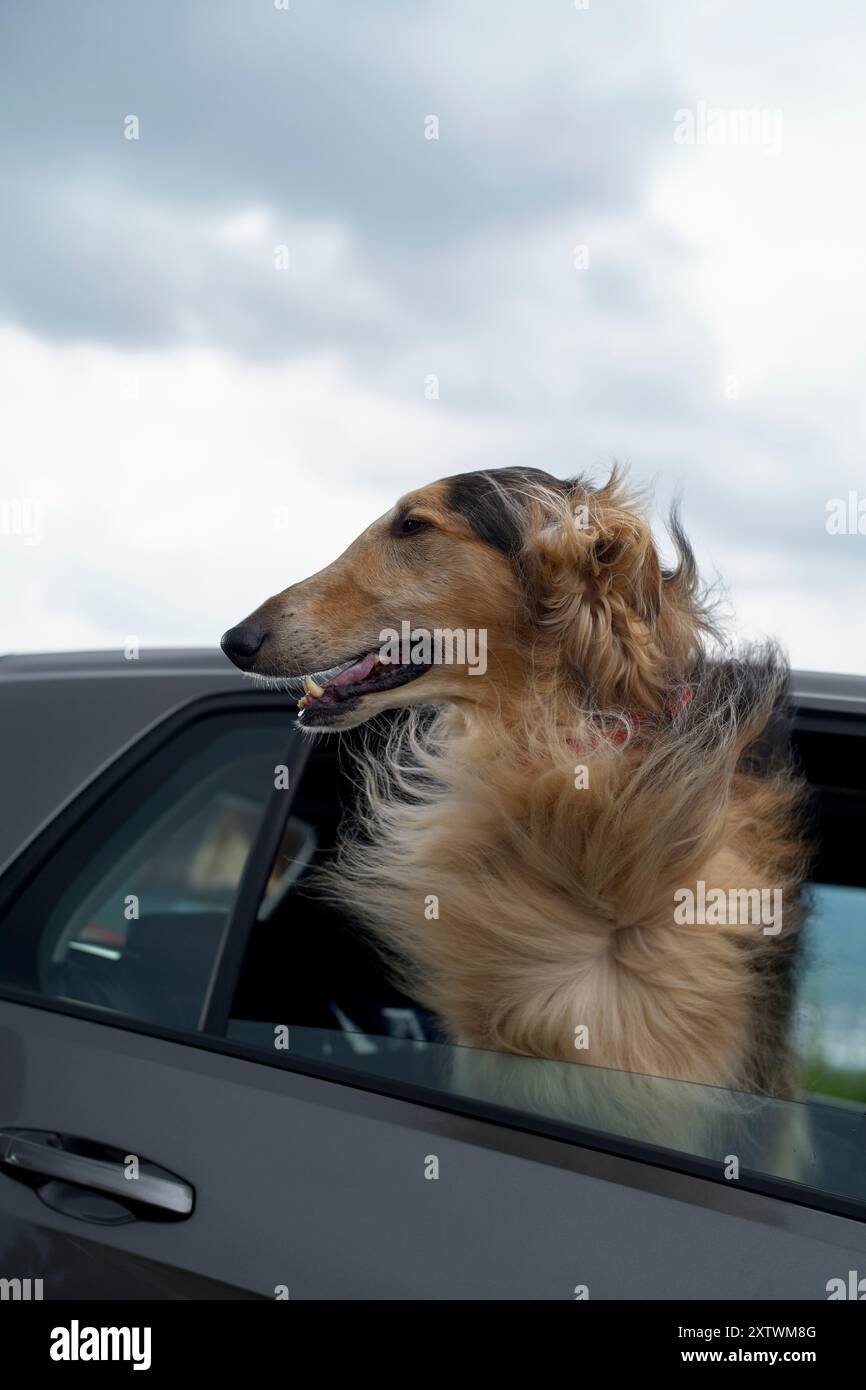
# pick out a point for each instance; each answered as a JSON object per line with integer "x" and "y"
{"x": 210, "y": 1088}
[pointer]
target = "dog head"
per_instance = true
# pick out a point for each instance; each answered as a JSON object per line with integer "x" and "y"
{"x": 471, "y": 586}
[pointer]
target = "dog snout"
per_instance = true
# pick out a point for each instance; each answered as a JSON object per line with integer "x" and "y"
{"x": 241, "y": 644}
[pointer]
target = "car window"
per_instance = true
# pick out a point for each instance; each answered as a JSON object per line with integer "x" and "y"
{"x": 832, "y": 1011}
{"x": 312, "y": 990}
{"x": 128, "y": 914}
{"x": 831, "y": 1017}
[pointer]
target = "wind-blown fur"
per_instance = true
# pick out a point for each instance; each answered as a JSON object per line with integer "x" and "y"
{"x": 521, "y": 836}
{"x": 555, "y": 905}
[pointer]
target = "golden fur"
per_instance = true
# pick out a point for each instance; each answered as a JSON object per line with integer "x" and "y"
{"x": 556, "y": 902}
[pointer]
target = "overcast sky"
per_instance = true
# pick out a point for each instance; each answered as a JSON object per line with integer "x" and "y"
{"x": 188, "y": 427}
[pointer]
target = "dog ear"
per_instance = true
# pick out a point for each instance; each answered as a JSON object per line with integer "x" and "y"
{"x": 590, "y": 547}
{"x": 623, "y": 565}
{"x": 594, "y": 585}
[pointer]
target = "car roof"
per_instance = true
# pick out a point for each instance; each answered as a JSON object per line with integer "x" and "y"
{"x": 65, "y": 715}
{"x": 171, "y": 660}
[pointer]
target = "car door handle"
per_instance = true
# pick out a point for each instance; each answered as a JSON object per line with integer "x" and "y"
{"x": 65, "y": 1158}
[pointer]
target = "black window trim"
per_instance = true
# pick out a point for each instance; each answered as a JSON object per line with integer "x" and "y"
{"x": 220, "y": 993}
{"x": 814, "y": 721}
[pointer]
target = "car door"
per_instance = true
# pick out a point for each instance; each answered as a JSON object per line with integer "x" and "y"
{"x": 122, "y": 911}
{"x": 155, "y": 1142}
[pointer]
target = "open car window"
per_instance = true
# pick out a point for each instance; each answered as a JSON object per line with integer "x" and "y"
{"x": 312, "y": 990}
{"x": 831, "y": 1017}
{"x": 141, "y": 899}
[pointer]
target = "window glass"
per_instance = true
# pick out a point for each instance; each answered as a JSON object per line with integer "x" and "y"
{"x": 815, "y": 1150}
{"x": 130, "y": 911}
{"x": 313, "y": 989}
{"x": 832, "y": 996}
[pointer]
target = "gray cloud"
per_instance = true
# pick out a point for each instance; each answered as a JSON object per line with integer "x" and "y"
{"x": 412, "y": 258}
{"x": 317, "y": 115}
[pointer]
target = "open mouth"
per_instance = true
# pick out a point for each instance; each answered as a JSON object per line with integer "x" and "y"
{"x": 336, "y": 692}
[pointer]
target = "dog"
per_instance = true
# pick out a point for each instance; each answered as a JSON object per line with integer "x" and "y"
{"x": 528, "y": 839}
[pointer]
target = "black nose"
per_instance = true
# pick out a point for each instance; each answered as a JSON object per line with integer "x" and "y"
{"x": 241, "y": 643}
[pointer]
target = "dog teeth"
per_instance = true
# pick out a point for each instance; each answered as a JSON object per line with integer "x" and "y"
{"x": 312, "y": 687}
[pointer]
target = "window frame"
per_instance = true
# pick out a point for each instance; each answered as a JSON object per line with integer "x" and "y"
{"x": 38, "y": 851}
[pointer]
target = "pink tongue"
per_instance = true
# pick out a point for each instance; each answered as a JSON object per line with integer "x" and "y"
{"x": 358, "y": 672}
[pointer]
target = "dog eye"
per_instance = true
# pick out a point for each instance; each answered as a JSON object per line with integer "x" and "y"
{"x": 411, "y": 525}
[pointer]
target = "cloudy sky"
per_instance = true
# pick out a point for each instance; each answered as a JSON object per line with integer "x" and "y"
{"x": 189, "y": 424}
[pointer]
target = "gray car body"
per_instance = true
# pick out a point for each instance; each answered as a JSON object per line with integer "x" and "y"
{"x": 315, "y": 1187}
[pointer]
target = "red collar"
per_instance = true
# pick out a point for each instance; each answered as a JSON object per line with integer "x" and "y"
{"x": 634, "y": 722}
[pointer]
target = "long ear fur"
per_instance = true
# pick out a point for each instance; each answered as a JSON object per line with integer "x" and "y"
{"x": 598, "y": 597}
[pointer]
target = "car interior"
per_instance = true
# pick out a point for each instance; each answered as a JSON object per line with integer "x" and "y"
{"x": 309, "y": 964}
